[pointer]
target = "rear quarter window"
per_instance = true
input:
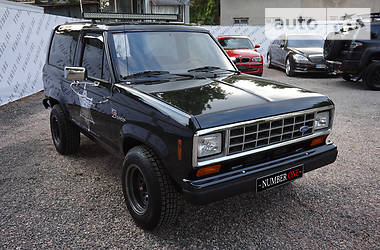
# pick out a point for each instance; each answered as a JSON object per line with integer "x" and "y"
{"x": 62, "y": 49}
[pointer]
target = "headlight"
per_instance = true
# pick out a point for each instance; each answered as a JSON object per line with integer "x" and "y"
{"x": 322, "y": 120}
{"x": 300, "y": 58}
{"x": 256, "y": 59}
{"x": 209, "y": 144}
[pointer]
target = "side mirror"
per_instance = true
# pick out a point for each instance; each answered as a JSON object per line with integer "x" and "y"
{"x": 257, "y": 46}
{"x": 75, "y": 73}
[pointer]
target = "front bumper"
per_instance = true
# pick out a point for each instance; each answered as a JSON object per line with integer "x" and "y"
{"x": 250, "y": 68}
{"x": 311, "y": 67}
{"x": 243, "y": 180}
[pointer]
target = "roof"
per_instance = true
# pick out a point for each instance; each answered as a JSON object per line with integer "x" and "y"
{"x": 130, "y": 27}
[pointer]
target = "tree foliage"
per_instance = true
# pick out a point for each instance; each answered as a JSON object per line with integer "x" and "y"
{"x": 204, "y": 12}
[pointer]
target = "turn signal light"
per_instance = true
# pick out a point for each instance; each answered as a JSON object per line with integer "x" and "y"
{"x": 317, "y": 141}
{"x": 208, "y": 170}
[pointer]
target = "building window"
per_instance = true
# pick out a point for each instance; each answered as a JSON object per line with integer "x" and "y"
{"x": 241, "y": 20}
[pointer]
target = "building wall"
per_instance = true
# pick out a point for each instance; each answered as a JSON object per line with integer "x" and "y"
{"x": 255, "y": 9}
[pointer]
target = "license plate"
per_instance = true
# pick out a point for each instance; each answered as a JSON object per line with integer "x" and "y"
{"x": 242, "y": 67}
{"x": 279, "y": 178}
{"x": 320, "y": 66}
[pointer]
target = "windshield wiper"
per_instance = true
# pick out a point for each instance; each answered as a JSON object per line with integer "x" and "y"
{"x": 211, "y": 69}
{"x": 148, "y": 73}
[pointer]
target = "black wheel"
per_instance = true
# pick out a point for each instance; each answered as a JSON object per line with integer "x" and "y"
{"x": 65, "y": 135}
{"x": 372, "y": 76}
{"x": 332, "y": 46}
{"x": 289, "y": 67}
{"x": 148, "y": 191}
{"x": 269, "y": 59}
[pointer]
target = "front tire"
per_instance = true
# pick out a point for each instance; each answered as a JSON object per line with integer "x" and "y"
{"x": 372, "y": 76}
{"x": 269, "y": 59}
{"x": 289, "y": 67}
{"x": 65, "y": 135}
{"x": 148, "y": 191}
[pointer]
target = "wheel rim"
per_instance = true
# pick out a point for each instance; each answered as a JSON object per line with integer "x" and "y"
{"x": 287, "y": 68}
{"x": 269, "y": 59}
{"x": 137, "y": 190}
{"x": 55, "y": 131}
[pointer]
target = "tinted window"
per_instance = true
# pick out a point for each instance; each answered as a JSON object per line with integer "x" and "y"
{"x": 235, "y": 43}
{"x": 375, "y": 32}
{"x": 93, "y": 57}
{"x": 305, "y": 41}
{"x": 106, "y": 70}
{"x": 62, "y": 49}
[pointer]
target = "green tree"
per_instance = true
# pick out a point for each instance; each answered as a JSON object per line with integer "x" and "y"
{"x": 205, "y": 12}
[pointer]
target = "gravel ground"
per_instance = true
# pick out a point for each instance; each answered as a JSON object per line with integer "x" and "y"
{"x": 53, "y": 201}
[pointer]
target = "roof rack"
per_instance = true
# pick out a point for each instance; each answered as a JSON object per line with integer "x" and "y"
{"x": 131, "y": 17}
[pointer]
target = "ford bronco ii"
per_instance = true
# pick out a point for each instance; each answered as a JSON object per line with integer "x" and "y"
{"x": 168, "y": 100}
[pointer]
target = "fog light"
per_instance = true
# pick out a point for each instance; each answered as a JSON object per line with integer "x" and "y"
{"x": 208, "y": 170}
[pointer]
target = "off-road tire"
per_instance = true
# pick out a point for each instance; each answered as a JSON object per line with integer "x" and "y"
{"x": 332, "y": 48}
{"x": 372, "y": 76}
{"x": 65, "y": 135}
{"x": 163, "y": 199}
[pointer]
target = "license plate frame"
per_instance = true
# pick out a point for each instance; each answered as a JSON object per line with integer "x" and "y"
{"x": 265, "y": 182}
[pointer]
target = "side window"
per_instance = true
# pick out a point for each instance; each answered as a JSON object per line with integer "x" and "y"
{"x": 92, "y": 58}
{"x": 62, "y": 48}
{"x": 375, "y": 32}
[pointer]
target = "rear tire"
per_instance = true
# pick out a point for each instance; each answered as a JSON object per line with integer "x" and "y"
{"x": 65, "y": 135}
{"x": 332, "y": 47}
{"x": 148, "y": 191}
{"x": 372, "y": 76}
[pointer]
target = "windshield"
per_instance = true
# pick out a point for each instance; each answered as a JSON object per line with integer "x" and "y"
{"x": 309, "y": 42}
{"x": 172, "y": 52}
{"x": 235, "y": 43}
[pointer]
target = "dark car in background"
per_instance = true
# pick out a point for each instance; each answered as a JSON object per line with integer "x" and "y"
{"x": 298, "y": 54}
{"x": 240, "y": 48}
{"x": 357, "y": 58}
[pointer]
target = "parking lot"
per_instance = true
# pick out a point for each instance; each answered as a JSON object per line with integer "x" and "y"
{"x": 50, "y": 200}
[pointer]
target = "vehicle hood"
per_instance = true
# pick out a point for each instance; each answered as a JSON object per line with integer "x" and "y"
{"x": 242, "y": 52}
{"x": 232, "y": 98}
{"x": 308, "y": 51}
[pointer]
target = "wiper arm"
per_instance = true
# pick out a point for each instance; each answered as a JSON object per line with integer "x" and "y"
{"x": 148, "y": 73}
{"x": 211, "y": 69}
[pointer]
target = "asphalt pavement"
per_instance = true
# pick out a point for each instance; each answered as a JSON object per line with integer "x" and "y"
{"x": 52, "y": 201}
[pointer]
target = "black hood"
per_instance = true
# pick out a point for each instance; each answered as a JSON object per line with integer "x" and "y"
{"x": 233, "y": 98}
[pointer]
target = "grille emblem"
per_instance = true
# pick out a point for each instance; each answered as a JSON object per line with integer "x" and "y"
{"x": 303, "y": 129}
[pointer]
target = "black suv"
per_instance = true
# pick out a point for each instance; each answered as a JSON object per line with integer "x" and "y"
{"x": 168, "y": 100}
{"x": 357, "y": 58}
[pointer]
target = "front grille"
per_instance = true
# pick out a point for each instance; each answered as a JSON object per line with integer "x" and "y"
{"x": 317, "y": 59}
{"x": 260, "y": 134}
{"x": 245, "y": 60}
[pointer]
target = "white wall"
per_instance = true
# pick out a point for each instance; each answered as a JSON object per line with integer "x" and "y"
{"x": 24, "y": 35}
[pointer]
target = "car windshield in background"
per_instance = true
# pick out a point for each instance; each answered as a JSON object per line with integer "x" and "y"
{"x": 173, "y": 52}
{"x": 301, "y": 42}
{"x": 235, "y": 43}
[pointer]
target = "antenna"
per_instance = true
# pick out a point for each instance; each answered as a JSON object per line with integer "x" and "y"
{"x": 81, "y": 8}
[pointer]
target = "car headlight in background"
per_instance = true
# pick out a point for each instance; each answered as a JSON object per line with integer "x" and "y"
{"x": 256, "y": 59}
{"x": 322, "y": 120}
{"x": 209, "y": 144}
{"x": 300, "y": 58}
